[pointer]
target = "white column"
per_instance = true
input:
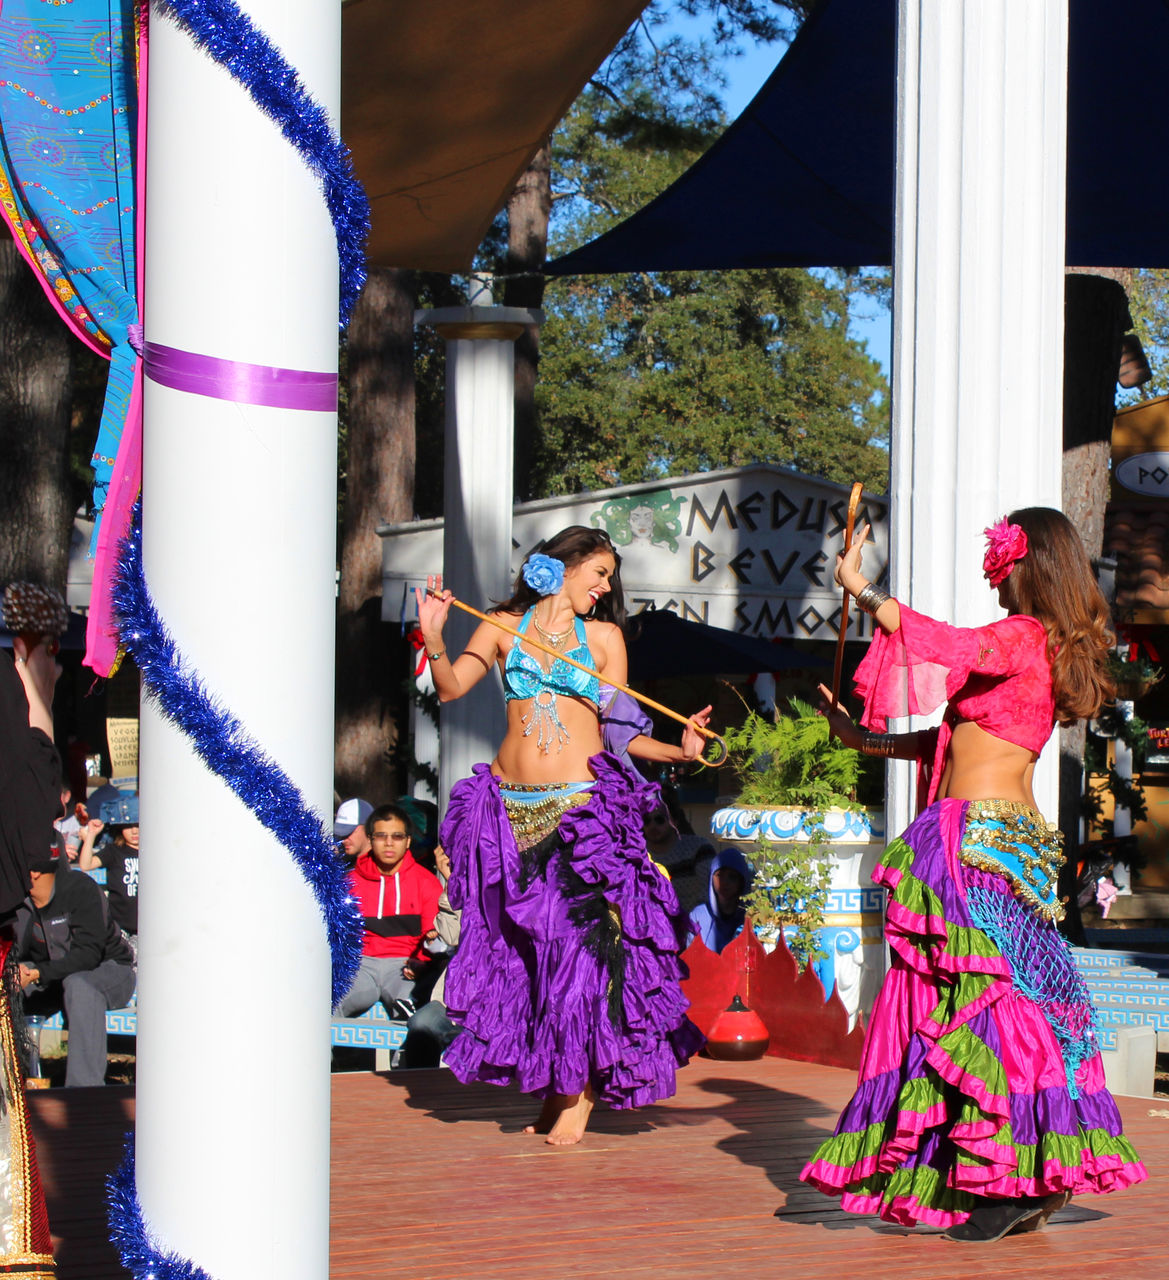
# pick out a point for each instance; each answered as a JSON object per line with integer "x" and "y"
{"x": 1122, "y": 816}
{"x": 477, "y": 508}
{"x": 978, "y": 301}
{"x": 240, "y": 512}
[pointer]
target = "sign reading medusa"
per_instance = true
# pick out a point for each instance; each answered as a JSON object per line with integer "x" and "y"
{"x": 651, "y": 519}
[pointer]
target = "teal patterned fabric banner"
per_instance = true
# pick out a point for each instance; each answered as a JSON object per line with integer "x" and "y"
{"x": 68, "y": 190}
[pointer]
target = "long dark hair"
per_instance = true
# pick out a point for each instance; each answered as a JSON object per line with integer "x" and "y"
{"x": 1054, "y": 583}
{"x": 572, "y": 545}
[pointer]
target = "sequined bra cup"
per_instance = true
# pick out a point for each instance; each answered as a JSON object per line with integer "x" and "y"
{"x": 524, "y": 677}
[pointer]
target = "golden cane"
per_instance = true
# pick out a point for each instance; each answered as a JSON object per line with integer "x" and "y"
{"x": 714, "y": 742}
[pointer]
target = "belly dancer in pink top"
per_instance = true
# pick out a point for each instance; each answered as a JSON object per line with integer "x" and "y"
{"x": 981, "y": 1105}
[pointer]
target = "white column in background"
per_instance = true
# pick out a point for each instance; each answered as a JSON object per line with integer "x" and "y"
{"x": 239, "y": 520}
{"x": 477, "y": 509}
{"x": 978, "y": 302}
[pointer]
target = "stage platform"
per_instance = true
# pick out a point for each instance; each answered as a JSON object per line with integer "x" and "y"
{"x": 434, "y": 1181}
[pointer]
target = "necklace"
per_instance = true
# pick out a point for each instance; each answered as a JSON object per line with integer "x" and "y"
{"x": 555, "y": 638}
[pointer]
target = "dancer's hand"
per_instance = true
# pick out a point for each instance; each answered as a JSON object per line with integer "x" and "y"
{"x": 848, "y": 564}
{"x": 692, "y": 740}
{"x": 839, "y": 721}
{"x": 434, "y": 604}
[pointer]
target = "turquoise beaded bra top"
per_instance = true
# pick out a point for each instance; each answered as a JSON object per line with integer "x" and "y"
{"x": 524, "y": 677}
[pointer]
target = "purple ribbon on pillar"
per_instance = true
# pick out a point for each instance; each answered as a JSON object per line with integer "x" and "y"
{"x": 239, "y": 382}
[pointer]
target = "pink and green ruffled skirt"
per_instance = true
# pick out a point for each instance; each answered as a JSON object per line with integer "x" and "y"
{"x": 980, "y": 1075}
{"x": 567, "y": 971}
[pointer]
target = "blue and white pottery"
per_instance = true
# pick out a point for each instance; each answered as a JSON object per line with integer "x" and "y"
{"x": 853, "y": 933}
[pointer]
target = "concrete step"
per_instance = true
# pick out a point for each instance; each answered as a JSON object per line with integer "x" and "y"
{"x": 1129, "y": 1056}
{"x": 1112, "y": 958}
{"x": 1130, "y": 1007}
{"x": 1114, "y": 1019}
{"x": 1122, "y": 984}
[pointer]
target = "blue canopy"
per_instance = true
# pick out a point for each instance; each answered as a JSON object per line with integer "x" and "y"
{"x": 804, "y": 177}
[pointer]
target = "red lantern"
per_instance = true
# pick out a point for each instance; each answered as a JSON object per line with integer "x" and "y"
{"x": 738, "y": 1034}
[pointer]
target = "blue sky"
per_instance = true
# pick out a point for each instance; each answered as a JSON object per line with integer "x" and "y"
{"x": 745, "y": 76}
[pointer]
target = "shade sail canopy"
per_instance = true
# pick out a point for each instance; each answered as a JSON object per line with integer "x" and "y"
{"x": 662, "y": 645}
{"x": 804, "y": 177}
{"x": 444, "y": 103}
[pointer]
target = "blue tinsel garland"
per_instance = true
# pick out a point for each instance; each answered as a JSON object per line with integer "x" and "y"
{"x": 231, "y": 753}
{"x": 228, "y": 35}
{"x": 140, "y": 1255}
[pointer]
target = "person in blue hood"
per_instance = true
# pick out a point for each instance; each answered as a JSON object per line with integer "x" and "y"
{"x": 720, "y": 917}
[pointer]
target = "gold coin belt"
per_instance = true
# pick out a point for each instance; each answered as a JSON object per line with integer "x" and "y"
{"x": 533, "y": 820}
{"x": 1013, "y": 840}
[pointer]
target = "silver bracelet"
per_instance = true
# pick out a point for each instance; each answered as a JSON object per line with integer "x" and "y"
{"x": 871, "y": 597}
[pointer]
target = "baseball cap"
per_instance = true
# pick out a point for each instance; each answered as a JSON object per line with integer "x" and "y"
{"x": 48, "y": 862}
{"x": 351, "y": 815}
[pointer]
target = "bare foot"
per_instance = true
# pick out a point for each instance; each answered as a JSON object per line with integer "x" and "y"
{"x": 573, "y": 1119}
{"x": 549, "y": 1114}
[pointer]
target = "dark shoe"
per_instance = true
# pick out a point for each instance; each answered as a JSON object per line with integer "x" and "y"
{"x": 1051, "y": 1204}
{"x": 996, "y": 1218}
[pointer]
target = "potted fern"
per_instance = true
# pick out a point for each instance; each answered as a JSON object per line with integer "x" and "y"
{"x": 812, "y": 845}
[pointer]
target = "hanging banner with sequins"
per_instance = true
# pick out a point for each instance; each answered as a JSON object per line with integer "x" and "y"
{"x": 69, "y": 77}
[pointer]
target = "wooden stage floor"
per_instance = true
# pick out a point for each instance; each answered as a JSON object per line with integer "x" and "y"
{"x": 701, "y": 1188}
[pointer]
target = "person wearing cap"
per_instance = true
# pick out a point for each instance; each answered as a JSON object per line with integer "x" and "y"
{"x": 119, "y": 857}
{"x": 74, "y": 959}
{"x": 349, "y": 828}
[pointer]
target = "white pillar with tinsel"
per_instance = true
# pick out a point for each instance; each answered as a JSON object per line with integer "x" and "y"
{"x": 232, "y": 1135}
{"x": 477, "y": 508}
{"x": 977, "y": 303}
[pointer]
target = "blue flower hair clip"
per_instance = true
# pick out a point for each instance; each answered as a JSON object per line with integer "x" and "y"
{"x": 544, "y": 574}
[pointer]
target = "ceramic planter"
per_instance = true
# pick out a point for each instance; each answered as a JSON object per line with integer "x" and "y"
{"x": 853, "y": 933}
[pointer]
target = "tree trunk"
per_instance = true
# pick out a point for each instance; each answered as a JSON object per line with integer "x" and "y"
{"x": 1096, "y": 318}
{"x": 379, "y": 488}
{"x": 528, "y": 212}
{"x": 35, "y": 395}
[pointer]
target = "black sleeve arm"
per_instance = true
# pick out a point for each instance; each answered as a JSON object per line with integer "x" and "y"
{"x": 30, "y": 783}
{"x": 87, "y": 932}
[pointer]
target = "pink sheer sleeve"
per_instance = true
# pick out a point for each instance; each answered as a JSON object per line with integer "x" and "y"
{"x": 915, "y": 669}
{"x": 924, "y": 663}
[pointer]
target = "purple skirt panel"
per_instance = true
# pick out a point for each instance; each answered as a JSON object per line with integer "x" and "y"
{"x": 541, "y": 1003}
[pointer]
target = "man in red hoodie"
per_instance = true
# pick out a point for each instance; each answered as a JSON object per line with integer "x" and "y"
{"x": 399, "y": 900}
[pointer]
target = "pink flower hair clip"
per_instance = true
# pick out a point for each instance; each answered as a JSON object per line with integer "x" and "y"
{"x": 1006, "y": 544}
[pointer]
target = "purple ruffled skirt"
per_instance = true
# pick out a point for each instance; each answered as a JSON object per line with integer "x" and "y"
{"x": 567, "y": 969}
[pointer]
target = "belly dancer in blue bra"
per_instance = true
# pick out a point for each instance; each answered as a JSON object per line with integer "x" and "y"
{"x": 566, "y": 980}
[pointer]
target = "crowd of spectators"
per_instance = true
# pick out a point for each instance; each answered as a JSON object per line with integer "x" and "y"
{"x": 65, "y": 946}
{"x": 76, "y": 942}
{"x": 398, "y": 876}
